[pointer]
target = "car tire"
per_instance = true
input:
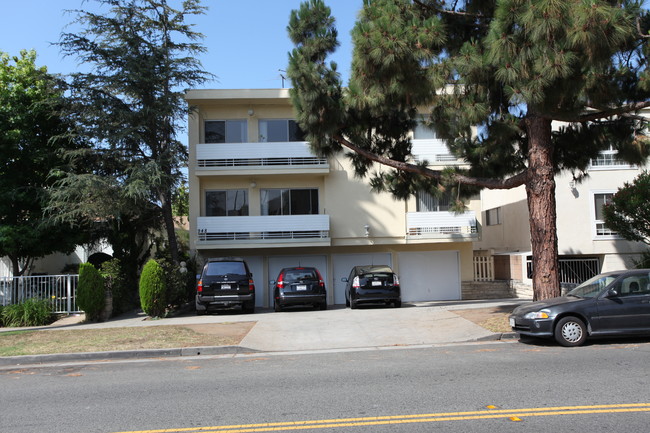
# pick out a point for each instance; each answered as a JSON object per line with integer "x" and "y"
{"x": 397, "y": 304}
{"x": 323, "y": 306}
{"x": 277, "y": 307}
{"x": 248, "y": 307}
{"x": 570, "y": 331}
{"x": 353, "y": 305}
{"x": 347, "y": 301}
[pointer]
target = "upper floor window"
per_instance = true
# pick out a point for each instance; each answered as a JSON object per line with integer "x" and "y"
{"x": 493, "y": 216}
{"x": 289, "y": 201}
{"x": 609, "y": 159}
{"x": 226, "y": 131}
{"x": 230, "y": 202}
{"x": 423, "y": 132}
{"x": 428, "y": 203}
{"x": 601, "y": 199}
{"x": 280, "y": 130}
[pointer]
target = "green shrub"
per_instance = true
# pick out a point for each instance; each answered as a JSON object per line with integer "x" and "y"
{"x": 114, "y": 280}
{"x": 153, "y": 289}
{"x": 2, "y": 323}
{"x": 91, "y": 294}
{"x": 32, "y": 312}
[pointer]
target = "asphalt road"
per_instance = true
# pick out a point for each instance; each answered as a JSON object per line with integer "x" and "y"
{"x": 503, "y": 386}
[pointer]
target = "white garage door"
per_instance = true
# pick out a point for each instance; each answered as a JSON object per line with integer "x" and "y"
{"x": 429, "y": 276}
{"x": 276, "y": 263}
{"x": 256, "y": 266}
{"x": 343, "y": 263}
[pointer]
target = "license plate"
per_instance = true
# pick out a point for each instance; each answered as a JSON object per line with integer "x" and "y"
{"x": 226, "y": 287}
{"x": 376, "y": 283}
{"x": 301, "y": 287}
{"x": 512, "y": 323}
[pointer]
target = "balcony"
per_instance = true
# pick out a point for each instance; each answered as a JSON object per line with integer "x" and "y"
{"x": 263, "y": 231}
{"x": 294, "y": 157}
{"x": 434, "y": 151}
{"x": 440, "y": 225}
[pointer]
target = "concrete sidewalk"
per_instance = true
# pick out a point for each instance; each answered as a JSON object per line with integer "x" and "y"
{"x": 415, "y": 324}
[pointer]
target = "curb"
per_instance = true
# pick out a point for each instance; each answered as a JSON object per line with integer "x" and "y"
{"x": 123, "y": 354}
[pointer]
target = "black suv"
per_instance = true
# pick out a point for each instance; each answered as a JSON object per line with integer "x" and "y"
{"x": 223, "y": 284}
{"x": 299, "y": 286}
{"x": 372, "y": 284}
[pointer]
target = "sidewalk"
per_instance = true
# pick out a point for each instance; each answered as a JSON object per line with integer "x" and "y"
{"x": 415, "y": 324}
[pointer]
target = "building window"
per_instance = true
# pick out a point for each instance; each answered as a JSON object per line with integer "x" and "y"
{"x": 226, "y": 131}
{"x": 493, "y": 216}
{"x": 609, "y": 159}
{"x": 601, "y": 199}
{"x": 428, "y": 203}
{"x": 289, "y": 201}
{"x": 231, "y": 202}
{"x": 280, "y": 130}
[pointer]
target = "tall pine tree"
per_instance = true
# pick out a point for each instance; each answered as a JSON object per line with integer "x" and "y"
{"x": 495, "y": 75}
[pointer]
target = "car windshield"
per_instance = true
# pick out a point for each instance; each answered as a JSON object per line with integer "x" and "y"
{"x": 593, "y": 286}
{"x": 225, "y": 268}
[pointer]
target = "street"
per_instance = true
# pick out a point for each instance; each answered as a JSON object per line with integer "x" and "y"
{"x": 503, "y": 386}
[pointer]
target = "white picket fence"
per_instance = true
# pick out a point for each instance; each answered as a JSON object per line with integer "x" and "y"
{"x": 61, "y": 290}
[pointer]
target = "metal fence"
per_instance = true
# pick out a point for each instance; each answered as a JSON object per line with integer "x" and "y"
{"x": 61, "y": 290}
{"x": 573, "y": 271}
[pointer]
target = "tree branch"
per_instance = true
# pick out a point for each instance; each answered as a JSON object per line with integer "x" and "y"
{"x": 448, "y": 12}
{"x": 490, "y": 183}
{"x": 603, "y": 114}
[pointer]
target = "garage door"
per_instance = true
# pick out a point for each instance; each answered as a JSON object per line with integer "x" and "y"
{"x": 429, "y": 275}
{"x": 343, "y": 263}
{"x": 256, "y": 266}
{"x": 276, "y": 263}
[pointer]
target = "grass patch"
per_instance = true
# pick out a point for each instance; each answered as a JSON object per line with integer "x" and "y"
{"x": 14, "y": 343}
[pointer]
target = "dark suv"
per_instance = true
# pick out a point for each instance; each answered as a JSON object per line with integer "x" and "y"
{"x": 372, "y": 284}
{"x": 225, "y": 283}
{"x": 299, "y": 286}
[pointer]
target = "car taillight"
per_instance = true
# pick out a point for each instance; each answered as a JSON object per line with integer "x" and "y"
{"x": 355, "y": 283}
{"x": 321, "y": 283}
{"x": 395, "y": 280}
{"x": 251, "y": 285}
{"x": 199, "y": 286}
{"x": 281, "y": 281}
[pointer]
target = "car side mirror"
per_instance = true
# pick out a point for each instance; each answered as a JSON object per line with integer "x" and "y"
{"x": 345, "y": 280}
{"x": 612, "y": 293}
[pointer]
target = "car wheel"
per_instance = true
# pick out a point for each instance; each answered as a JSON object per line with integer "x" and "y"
{"x": 347, "y": 301}
{"x": 248, "y": 307}
{"x": 277, "y": 307}
{"x": 570, "y": 331}
{"x": 353, "y": 304}
{"x": 323, "y": 306}
{"x": 397, "y": 304}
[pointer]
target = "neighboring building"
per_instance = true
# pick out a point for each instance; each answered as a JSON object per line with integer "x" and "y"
{"x": 585, "y": 245}
{"x": 258, "y": 192}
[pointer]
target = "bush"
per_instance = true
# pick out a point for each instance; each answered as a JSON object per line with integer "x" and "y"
{"x": 115, "y": 282}
{"x": 91, "y": 294}
{"x": 32, "y": 312}
{"x": 153, "y": 289}
{"x": 2, "y": 323}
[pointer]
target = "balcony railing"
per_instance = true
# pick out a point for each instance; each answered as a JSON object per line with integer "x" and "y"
{"x": 432, "y": 224}
{"x": 432, "y": 150}
{"x": 242, "y": 229}
{"x": 294, "y": 153}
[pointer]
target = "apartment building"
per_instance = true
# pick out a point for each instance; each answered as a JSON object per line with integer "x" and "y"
{"x": 585, "y": 245}
{"x": 257, "y": 191}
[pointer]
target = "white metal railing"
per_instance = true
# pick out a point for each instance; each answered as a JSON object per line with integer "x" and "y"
{"x": 427, "y": 223}
{"x": 432, "y": 150}
{"x": 61, "y": 290}
{"x": 244, "y": 228}
{"x": 294, "y": 153}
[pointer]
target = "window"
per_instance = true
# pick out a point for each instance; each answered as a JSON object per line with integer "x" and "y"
{"x": 493, "y": 216}
{"x": 428, "y": 203}
{"x": 280, "y": 130}
{"x": 289, "y": 201}
{"x": 608, "y": 159}
{"x": 232, "y": 202}
{"x": 601, "y": 199}
{"x": 226, "y": 131}
{"x": 423, "y": 132}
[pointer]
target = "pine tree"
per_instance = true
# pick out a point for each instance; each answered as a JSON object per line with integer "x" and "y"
{"x": 496, "y": 76}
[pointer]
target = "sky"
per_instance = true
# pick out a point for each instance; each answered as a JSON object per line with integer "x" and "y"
{"x": 247, "y": 40}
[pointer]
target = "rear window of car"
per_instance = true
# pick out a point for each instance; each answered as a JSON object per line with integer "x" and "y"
{"x": 300, "y": 274}
{"x": 225, "y": 268}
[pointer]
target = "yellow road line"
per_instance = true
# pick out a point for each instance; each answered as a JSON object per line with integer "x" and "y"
{"x": 513, "y": 414}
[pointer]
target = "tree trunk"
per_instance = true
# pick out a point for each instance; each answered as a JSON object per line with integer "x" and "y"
{"x": 540, "y": 191}
{"x": 168, "y": 218}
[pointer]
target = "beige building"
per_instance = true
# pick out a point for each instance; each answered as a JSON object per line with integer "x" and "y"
{"x": 258, "y": 192}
